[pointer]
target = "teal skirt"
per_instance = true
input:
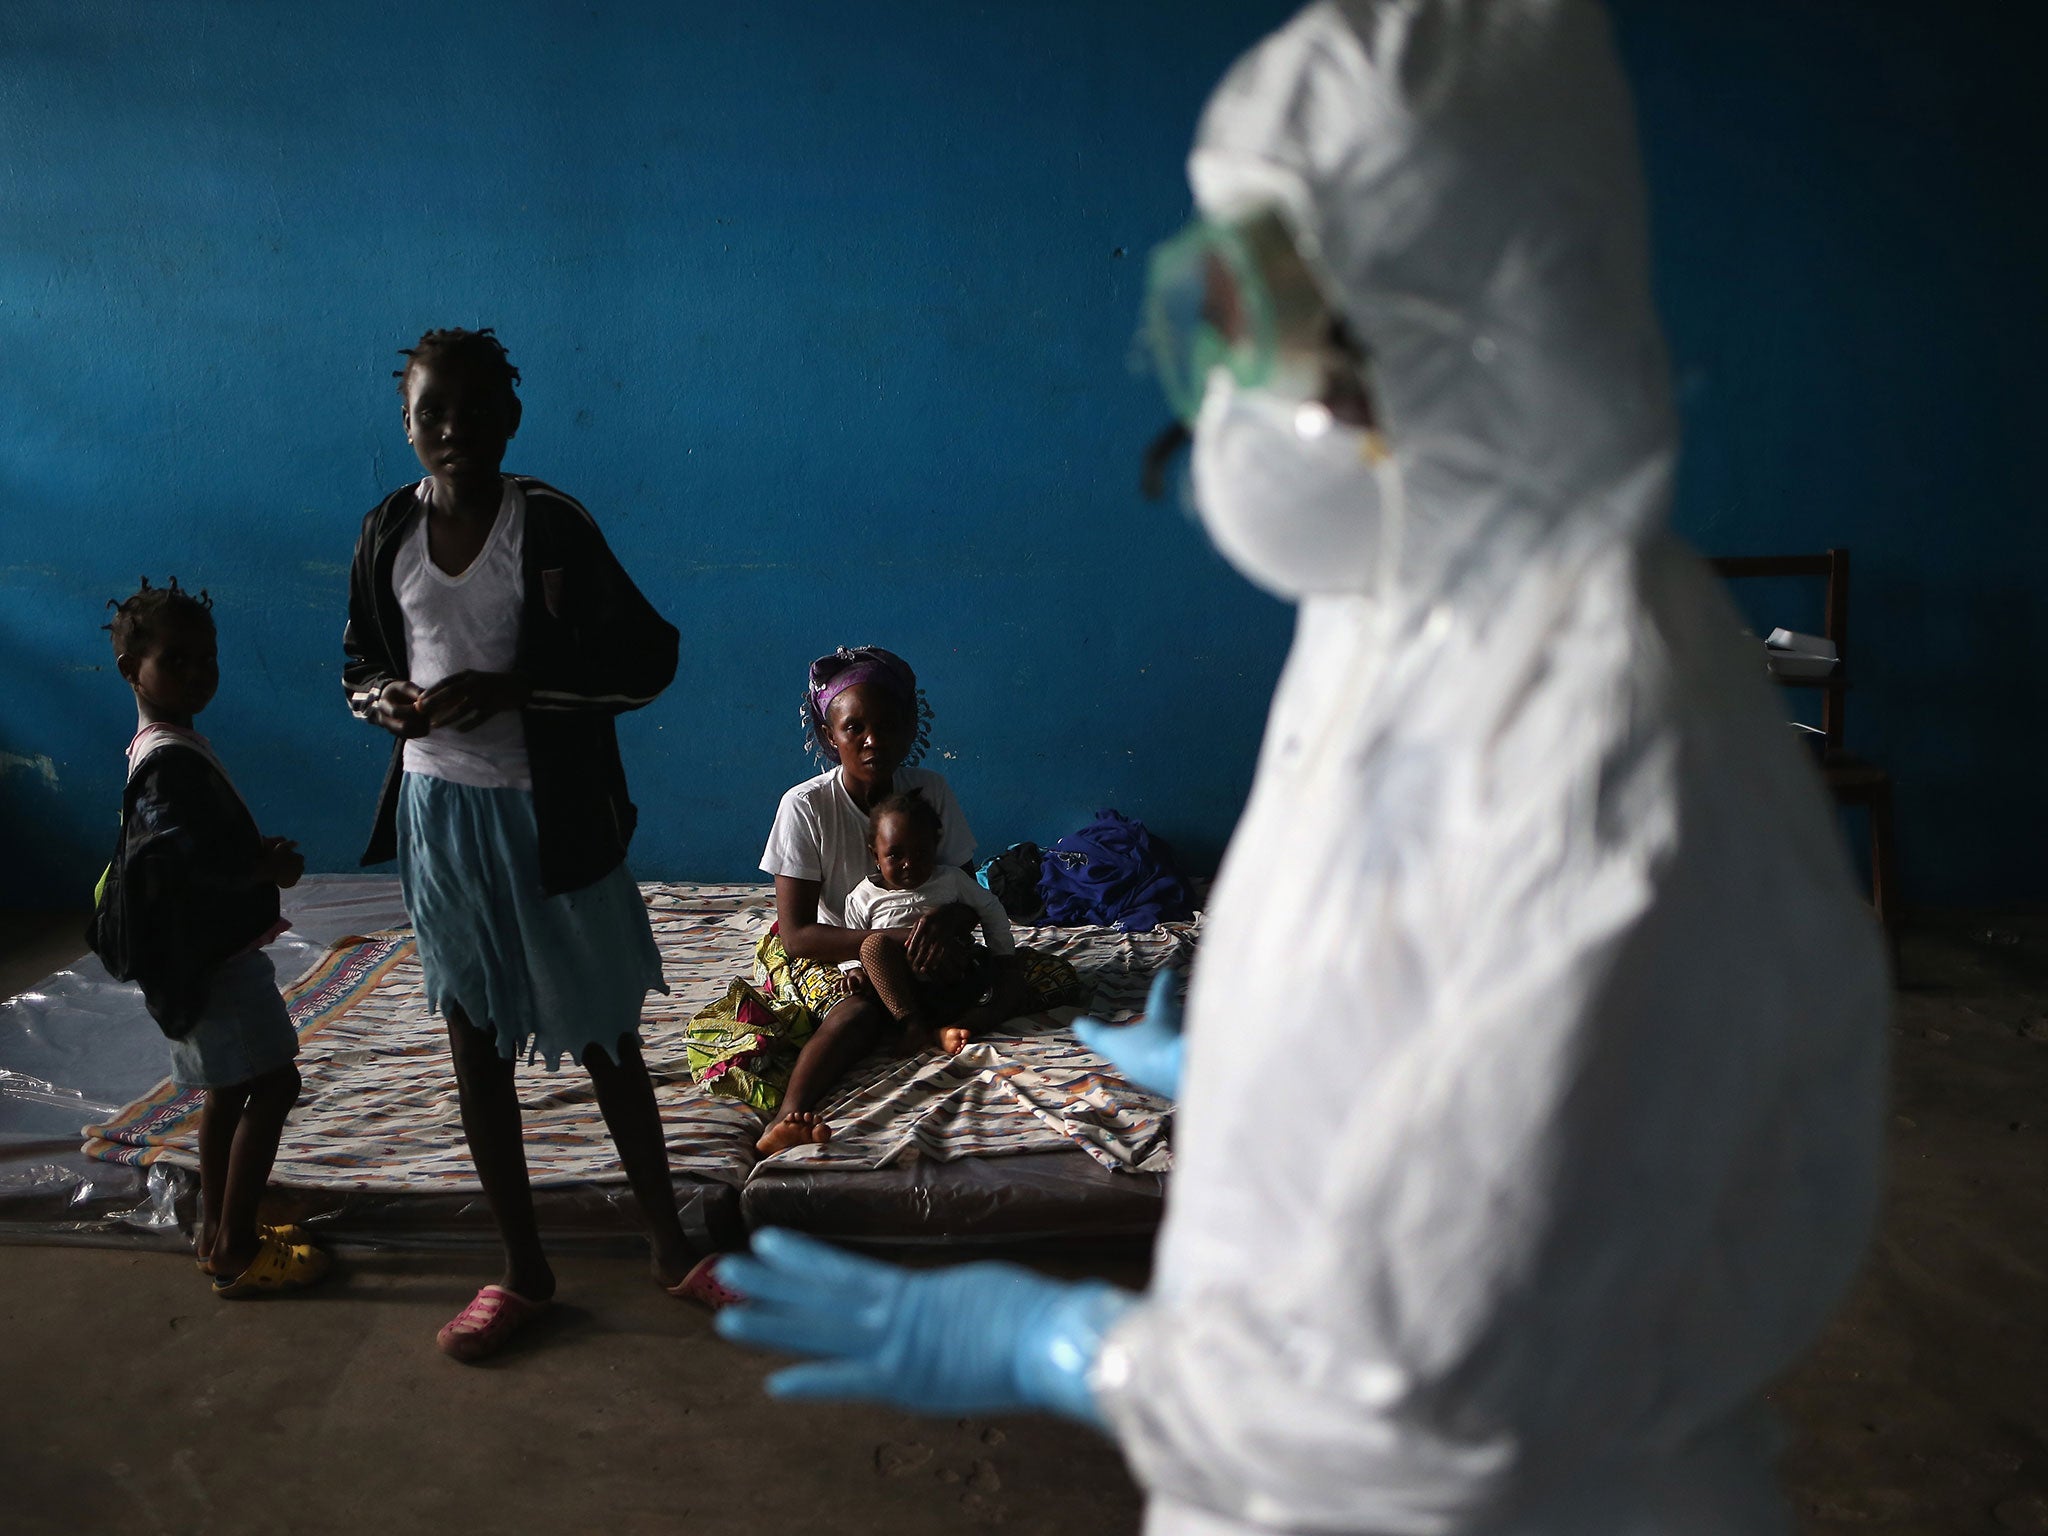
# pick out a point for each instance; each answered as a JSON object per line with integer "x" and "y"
{"x": 548, "y": 976}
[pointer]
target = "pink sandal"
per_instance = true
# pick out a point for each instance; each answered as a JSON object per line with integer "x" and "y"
{"x": 482, "y": 1327}
{"x": 703, "y": 1286}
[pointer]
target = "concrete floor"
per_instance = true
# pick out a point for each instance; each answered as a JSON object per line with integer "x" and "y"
{"x": 135, "y": 1401}
{"x": 132, "y": 1397}
{"x": 1924, "y": 1409}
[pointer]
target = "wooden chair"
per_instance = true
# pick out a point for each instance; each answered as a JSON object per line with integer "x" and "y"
{"x": 1850, "y": 779}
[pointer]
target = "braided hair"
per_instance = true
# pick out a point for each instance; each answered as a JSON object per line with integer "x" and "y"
{"x": 141, "y": 617}
{"x": 479, "y": 349}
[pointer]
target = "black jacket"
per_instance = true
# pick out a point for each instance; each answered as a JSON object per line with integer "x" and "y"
{"x": 589, "y": 642}
{"x": 182, "y": 893}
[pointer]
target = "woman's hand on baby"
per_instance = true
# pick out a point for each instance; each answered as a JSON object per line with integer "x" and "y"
{"x": 467, "y": 699}
{"x": 397, "y": 709}
{"x": 938, "y": 940}
{"x": 1148, "y": 1052}
{"x": 281, "y": 863}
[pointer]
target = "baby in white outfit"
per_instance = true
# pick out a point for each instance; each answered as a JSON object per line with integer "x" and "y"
{"x": 903, "y": 832}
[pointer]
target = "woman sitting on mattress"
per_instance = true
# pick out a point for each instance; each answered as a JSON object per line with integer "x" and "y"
{"x": 867, "y": 721}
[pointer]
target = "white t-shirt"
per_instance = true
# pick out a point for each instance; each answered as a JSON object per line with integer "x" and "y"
{"x": 160, "y": 733}
{"x": 821, "y": 835}
{"x": 467, "y": 623}
{"x": 874, "y": 905}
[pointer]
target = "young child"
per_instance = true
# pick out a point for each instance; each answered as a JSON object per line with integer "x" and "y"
{"x": 903, "y": 836}
{"x": 494, "y": 634}
{"x": 185, "y": 909}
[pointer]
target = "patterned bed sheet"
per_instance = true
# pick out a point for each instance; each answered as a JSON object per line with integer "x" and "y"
{"x": 378, "y": 1111}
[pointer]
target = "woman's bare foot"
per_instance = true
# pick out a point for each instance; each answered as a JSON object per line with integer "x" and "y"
{"x": 793, "y": 1128}
{"x": 952, "y": 1037}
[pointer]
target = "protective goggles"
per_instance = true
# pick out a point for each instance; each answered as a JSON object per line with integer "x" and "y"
{"x": 1235, "y": 295}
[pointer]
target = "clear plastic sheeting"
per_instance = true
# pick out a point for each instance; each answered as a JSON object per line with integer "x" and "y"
{"x": 52, "y": 1192}
{"x": 71, "y": 1198}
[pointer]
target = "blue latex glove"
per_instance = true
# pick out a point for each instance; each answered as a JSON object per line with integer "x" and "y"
{"x": 973, "y": 1338}
{"x": 1148, "y": 1052}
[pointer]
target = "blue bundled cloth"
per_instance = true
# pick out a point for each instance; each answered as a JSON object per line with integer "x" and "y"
{"x": 1113, "y": 873}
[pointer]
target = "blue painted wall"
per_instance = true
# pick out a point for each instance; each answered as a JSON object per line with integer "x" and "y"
{"x": 825, "y": 311}
{"x": 1851, "y": 241}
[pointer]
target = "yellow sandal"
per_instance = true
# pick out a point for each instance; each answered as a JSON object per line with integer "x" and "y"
{"x": 283, "y": 1231}
{"x": 278, "y": 1266}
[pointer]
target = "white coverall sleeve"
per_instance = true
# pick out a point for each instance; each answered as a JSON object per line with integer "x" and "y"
{"x": 1514, "y": 1232}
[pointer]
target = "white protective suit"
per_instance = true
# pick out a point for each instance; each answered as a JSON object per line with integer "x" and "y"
{"x": 1531, "y": 1120}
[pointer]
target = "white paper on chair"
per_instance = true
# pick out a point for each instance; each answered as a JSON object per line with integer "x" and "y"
{"x": 1791, "y": 654}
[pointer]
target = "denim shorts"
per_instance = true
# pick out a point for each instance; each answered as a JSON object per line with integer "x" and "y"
{"x": 244, "y": 1031}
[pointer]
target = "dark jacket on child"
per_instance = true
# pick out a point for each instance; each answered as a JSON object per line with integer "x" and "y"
{"x": 591, "y": 645}
{"x": 182, "y": 893}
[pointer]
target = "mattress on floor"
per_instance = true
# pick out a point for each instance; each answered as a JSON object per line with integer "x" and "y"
{"x": 1022, "y": 1136}
{"x": 1028, "y": 1197}
{"x": 1025, "y": 1134}
{"x": 378, "y": 1111}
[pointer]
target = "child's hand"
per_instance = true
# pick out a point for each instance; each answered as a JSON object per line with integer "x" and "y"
{"x": 397, "y": 709}
{"x": 466, "y": 700}
{"x": 282, "y": 863}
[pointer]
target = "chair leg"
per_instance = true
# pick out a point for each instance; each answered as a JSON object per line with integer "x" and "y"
{"x": 1884, "y": 874}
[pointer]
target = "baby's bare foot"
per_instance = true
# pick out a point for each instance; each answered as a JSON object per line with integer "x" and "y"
{"x": 799, "y": 1127}
{"x": 952, "y": 1037}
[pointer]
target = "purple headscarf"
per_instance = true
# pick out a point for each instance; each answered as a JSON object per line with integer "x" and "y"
{"x": 850, "y": 668}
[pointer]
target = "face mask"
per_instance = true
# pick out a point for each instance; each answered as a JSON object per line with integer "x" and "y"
{"x": 1294, "y": 514}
